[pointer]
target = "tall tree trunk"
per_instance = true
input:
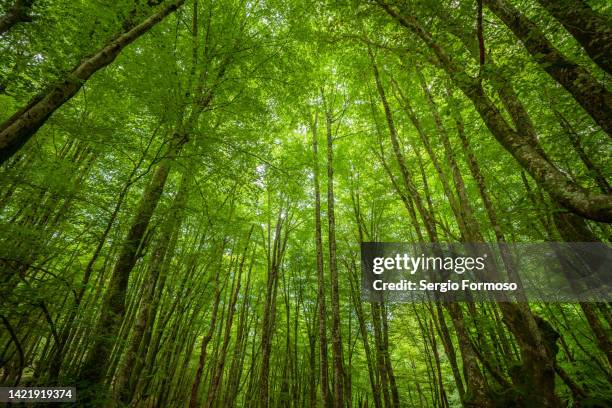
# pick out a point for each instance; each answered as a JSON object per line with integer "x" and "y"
{"x": 321, "y": 307}
{"x": 338, "y": 377}
{"x": 389, "y": 366}
{"x": 357, "y": 303}
{"x": 278, "y": 249}
{"x": 113, "y": 307}
{"x": 123, "y": 386}
{"x": 574, "y": 138}
{"x": 380, "y": 354}
{"x": 195, "y": 387}
{"x": 218, "y": 372}
{"x": 240, "y": 344}
{"x": 464, "y": 206}
{"x": 425, "y": 139}
{"x": 476, "y": 386}
{"x": 570, "y": 195}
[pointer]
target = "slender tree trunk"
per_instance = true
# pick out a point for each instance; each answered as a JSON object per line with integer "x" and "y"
{"x": 476, "y": 386}
{"x": 321, "y": 307}
{"x": 195, "y": 387}
{"x": 380, "y": 355}
{"x": 235, "y": 372}
{"x": 596, "y": 172}
{"x": 218, "y": 373}
{"x": 338, "y": 380}
{"x": 278, "y": 248}
{"x": 389, "y": 366}
{"x": 357, "y": 303}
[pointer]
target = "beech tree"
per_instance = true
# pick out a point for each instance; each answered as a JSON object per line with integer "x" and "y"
{"x": 185, "y": 186}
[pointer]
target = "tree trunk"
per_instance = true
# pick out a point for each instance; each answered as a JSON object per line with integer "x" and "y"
{"x": 195, "y": 387}
{"x": 476, "y": 386}
{"x": 18, "y": 13}
{"x": 278, "y": 249}
{"x": 589, "y": 28}
{"x": 338, "y": 378}
{"x": 113, "y": 307}
{"x": 321, "y": 307}
{"x": 123, "y": 387}
{"x": 218, "y": 372}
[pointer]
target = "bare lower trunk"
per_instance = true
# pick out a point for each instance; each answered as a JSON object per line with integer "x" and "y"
{"x": 321, "y": 307}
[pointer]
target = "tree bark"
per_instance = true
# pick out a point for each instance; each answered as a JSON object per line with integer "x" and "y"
{"x": 476, "y": 386}
{"x": 278, "y": 246}
{"x": 113, "y": 307}
{"x": 338, "y": 378}
{"x": 123, "y": 386}
{"x": 218, "y": 372}
{"x": 195, "y": 387}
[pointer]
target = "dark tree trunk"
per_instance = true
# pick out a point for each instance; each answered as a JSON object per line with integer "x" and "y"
{"x": 18, "y": 13}
{"x": 113, "y": 307}
{"x": 124, "y": 388}
{"x": 590, "y": 29}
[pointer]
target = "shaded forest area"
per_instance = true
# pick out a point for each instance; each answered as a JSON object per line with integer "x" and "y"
{"x": 184, "y": 186}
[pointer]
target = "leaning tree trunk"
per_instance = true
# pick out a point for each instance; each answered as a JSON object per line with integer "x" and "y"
{"x": 588, "y": 92}
{"x": 113, "y": 305}
{"x": 20, "y": 127}
{"x": 589, "y": 28}
{"x": 18, "y": 13}
{"x": 477, "y": 388}
{"x": 123, "y": 386}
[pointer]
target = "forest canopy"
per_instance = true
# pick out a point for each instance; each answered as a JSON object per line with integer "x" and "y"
{"x": 185, "y": 185}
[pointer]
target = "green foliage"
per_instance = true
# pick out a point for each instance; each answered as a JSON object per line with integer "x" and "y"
{"x": 69, "y": 196}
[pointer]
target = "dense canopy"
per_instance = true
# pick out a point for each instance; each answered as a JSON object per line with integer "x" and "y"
{"x": 185, "y": 184}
